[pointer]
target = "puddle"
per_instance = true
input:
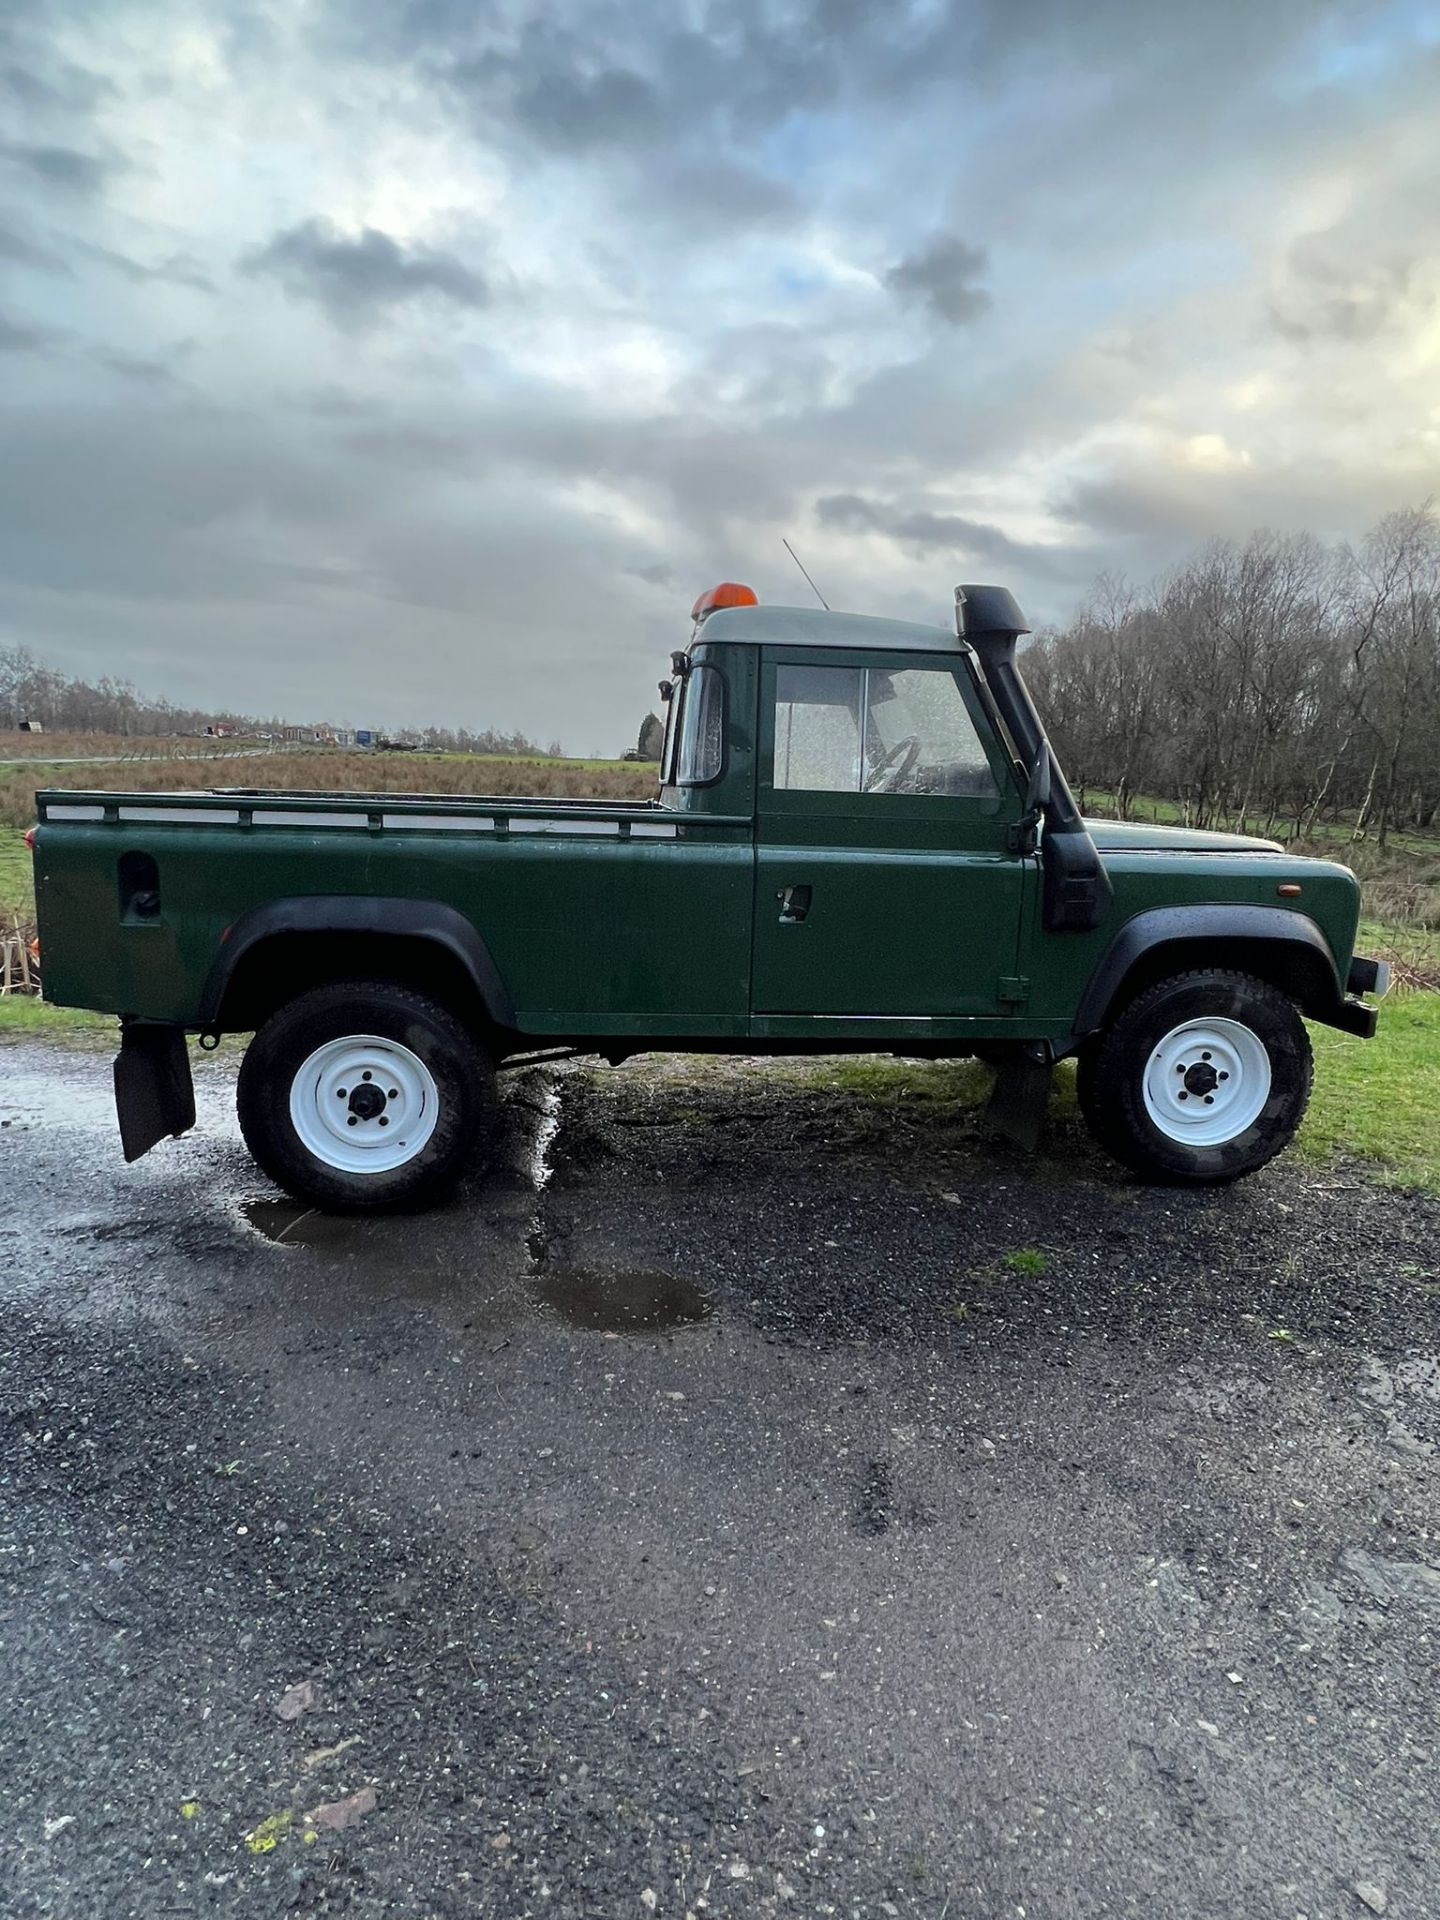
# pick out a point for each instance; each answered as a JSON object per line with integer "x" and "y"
{"x": 79, "y": 1094}
{"x": 290, "y": 1225}
{"x": 621, "y": 1301}
{"x": 80, "y": 1097}
{"x": 599, "y": 1299}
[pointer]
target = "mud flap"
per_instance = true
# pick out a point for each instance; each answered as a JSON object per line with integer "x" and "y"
{"x": 154, "y": 1094}
{"x": 1016, "y": 1108}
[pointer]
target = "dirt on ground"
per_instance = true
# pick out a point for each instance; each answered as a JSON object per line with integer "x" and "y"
{"x": 759, "y": 1495}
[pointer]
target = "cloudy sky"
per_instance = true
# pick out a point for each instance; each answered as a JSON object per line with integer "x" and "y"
{"x": 420, "y": 360}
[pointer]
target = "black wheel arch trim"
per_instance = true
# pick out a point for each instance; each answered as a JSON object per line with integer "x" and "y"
{"x": 428, "y": 920}
{"x": 1179, "y": 925}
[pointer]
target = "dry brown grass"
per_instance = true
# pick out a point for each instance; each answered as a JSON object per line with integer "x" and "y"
{"x": 1401, "y": 882}
{"x": 336, "y": 772}
{"x": 63, "y": 746}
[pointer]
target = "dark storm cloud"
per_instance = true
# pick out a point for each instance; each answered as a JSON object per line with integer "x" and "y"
{"x": 35, "y": 75}
{"x": 609, "y": 79}
{"x": 157, "y": 491}
{"x": 926, "y": 531}
{"x": 357, "y": 278}
{"x": 21, "y": 251}
{"x": 943, "y": 276}
{"x": 709, "y": 195}
{"x": 857, "y": 514}
{"x": 1329, "y": 293}
{"x": 572, "y": 111}
{"x": 63, "y": 167}
{"x": 1147, "y": 519}
{"x": 180, "y": 269}
{"x": 152, "y": 372}
{"x": 17, "y": 336}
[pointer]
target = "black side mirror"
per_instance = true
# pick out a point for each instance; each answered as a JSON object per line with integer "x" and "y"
{"x": 667, "y": 689}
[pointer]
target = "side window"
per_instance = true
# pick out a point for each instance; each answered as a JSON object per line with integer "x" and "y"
{"x": 869, "y": 730}
{"x": 700, "y": 757}
{"x": 817, "y": 728}
{"x": 672, "y": 733}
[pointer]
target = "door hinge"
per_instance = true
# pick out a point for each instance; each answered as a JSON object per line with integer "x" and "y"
{"x": 1022, "y": 836}
{"x": 1014, "y": 990}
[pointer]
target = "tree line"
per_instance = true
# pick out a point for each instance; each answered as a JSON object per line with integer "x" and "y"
{"x": 32, "y": 691}
{"x": 1270, "y": 684}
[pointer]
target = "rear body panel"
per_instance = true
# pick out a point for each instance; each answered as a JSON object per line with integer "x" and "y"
{"x": 592, "y": 917}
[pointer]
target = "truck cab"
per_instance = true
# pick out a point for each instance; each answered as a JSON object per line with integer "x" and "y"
{"x": 890, "y": 883}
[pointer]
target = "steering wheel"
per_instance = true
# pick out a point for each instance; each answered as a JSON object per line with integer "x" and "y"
{"x": 894, "y": 765}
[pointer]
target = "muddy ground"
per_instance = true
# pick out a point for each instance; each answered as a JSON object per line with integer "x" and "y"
{"x": 760, "y": 1496}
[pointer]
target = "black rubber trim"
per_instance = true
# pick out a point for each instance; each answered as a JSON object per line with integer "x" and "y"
{"x": 361, "y": 914}
{"x": 154, "y": 1094}
{"x": 1353, "y": 1016}
{"x": 1364, "y": 975}
{"x": 1159, "y": 926}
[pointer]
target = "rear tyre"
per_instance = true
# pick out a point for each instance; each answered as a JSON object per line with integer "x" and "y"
{"x": 1203, "y": 1077}
{"x": 366, "y": 1098}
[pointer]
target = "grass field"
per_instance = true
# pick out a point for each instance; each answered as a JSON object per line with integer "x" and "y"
{"x": 16, "y": 889}
{"x": 331, "y": 769}
{"x": 1377, "y": 1099}
{"x": 39, "y": 747}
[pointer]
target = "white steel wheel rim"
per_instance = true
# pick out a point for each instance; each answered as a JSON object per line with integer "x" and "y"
{"x": 364, "y": 1104}
{"x": 1206, "y": 1082}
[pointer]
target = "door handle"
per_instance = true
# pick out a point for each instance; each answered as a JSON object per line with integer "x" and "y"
{"x": 794, "y": 905}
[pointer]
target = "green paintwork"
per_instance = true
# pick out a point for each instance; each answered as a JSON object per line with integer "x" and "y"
{"x": 1123, "y": 835}
{"x": 916, "y": 898}
{"x": 662, "y": 923}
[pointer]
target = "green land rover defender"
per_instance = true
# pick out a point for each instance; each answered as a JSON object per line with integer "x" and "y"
{"x": 861, "y": 842}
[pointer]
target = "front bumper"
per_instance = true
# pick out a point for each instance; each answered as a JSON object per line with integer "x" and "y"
{"x": 1368, "y": 976}
{"x": 1353, "y": 1015}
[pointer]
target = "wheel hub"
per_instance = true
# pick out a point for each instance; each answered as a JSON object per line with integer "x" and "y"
{"x": 1201, "y": 1078}
{"x": 367, "y": 1102}
{"x": 364, "y": 1104}
{"x": 1206, "y": 1082}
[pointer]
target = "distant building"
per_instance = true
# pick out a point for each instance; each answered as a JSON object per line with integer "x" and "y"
{"x": 31, "y": 726}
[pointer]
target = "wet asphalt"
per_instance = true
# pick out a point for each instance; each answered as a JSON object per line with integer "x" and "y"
{"x": 753, "y": 1498}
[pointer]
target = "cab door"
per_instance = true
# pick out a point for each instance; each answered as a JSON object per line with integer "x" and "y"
{"x": 887, "y": 887}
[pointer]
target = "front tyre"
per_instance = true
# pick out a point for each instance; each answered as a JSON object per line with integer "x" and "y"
{"x": 365, "y": 1098}
{"x": 1203, "y": 1077}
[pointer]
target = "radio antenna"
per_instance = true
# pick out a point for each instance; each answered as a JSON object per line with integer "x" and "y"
{"x": 801, "y": 564}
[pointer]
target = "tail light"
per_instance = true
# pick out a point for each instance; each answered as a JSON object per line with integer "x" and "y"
{"x": 30, "y": 838}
